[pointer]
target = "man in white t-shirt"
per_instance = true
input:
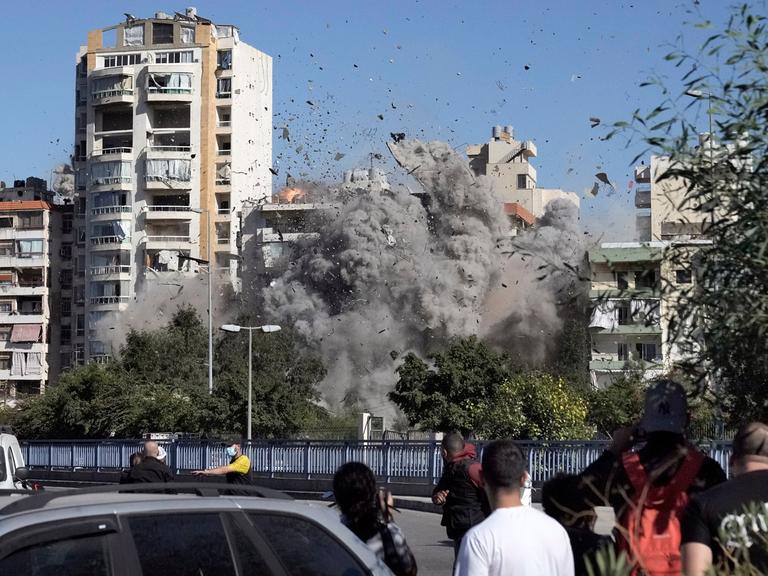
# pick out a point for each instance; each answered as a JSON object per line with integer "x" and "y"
{"x": 515, "y": 539}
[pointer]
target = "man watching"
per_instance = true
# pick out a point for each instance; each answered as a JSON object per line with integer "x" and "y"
{"x": 238, "y": 471}
{"x": 514, "y": 539}
{"x": 736, "y": 511}
{"x": 459, "y": 490}
{"x": 150, "y": 469}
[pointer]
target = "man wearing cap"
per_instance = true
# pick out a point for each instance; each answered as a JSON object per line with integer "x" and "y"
{"x": 736, "y": 510}
{"x": 151, "y": 468}
{"x": 665, "y": 450}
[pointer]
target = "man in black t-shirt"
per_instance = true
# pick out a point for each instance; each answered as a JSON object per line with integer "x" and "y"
{"x": 736, "y": 511}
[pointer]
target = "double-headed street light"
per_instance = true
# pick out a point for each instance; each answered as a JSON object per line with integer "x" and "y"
{"x": 234, "y": 328}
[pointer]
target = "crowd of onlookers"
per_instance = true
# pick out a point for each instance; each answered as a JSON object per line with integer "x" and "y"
{"x": 675, "y": 510}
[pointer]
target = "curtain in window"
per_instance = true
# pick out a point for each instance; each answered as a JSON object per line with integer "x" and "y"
{"x": 120, "y": 229}
{"x": 187, "y": 34}
{"x": 34, "y": 363}
{"x": 179, "y": 80}
{"x": 223, "y": 31}
{"x": 225, "y": 59}
{"x": 18, "y": 364}
{"x": 604, "y": 316}
{"x": 30, "y": 247}
{"x": 170, "y": 169}
{"x": 646, "y": 311}
{"x": 134, "y": 35}
{"x": 106, "y": 199}
{"x": 224, "y": 85}
{"x": 103, "y": 172}
{"x": 109, "y": 83}
{"x": 185, "y": 57}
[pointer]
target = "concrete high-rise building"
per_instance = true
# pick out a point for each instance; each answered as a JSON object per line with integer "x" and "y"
{"x": 35, "y": 272}
{"x": 173, "y": 134}
{"x": 635, "y": 285}
{"x": 507, "y": 162}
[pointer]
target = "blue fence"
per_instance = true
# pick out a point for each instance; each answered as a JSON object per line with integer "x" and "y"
{"x": 392, "y": 461}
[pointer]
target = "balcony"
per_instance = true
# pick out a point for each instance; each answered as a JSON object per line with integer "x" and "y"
{"x": 24, "y": 260}
{"x": 168, "y": 86}
{"x": 224, "y": 152}
{"x": 223, "y": 182}
{"x": 23, "y": 288}
{"x": 114, "y": 153}
{"x": 108, "y": 212}
{"x": 112, "y": 96}
{"x": 166, "y": 148}
{"x": 643, "y": 198}
{"x": 163, "y": 242}
{"x": 110, "y": 272}
{"x": 108, "y": 300}
{"x": 168, "y": 174}
{"x": 615, "y": 365}
{"x": 100, "y": 243}
{"x": 160, "y": 212}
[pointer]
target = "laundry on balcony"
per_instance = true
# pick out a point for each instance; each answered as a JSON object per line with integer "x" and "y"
{"x": 18, "y": 364}
{"x": 26, "y": 332}
{"x": 604, "y": 315}
{"x": 645, "y": 311}
{"x": 34, "y": 364}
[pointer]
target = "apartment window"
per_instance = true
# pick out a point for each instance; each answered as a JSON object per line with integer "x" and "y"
{"x": 6, "y": 307}
{"x": 66, "y": 307}
{"x": 66, "y": 251}
{"x": 66, "y": 335}
{"x": 29, "y": 248}
{"x": 6, "y": 221}
{"x": 623, "y": 351}
{"x": 66, "y": 224}
{"x": 224, "y": 59}
{"x": 121, "y": 60}
{"x": 183, "y": 57}
{"x": 187, "y": 34}
{"x": 646, "y": 351}
{"x": 683, "y": 276}
{"x": 30, "y": 220}
{"x": 80, "y": 263}
{"x": 5, "y": 361}
{"x": 621, "y": 281}
{"x": 65, "y": 279}
{"x": 5, "y": 333}
{"x": 79, "y": 294}
{"x": 66, "y": 360}
{"x": 522, "y": 181}
{"x": 162, "y": 33}
{"x": 81, "y": 236}
{"x": 6, "y": 278}
{"x": 81, "y": 324}
{"x": 224, "y": 87}
{"x": 645, "y": 279}
{"x": 624, "y": 313}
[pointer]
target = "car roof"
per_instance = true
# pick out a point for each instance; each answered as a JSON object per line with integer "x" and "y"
{"x": 81, "y": 506}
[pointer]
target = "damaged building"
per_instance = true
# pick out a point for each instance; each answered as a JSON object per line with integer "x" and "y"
{"x": 507, "y": 162}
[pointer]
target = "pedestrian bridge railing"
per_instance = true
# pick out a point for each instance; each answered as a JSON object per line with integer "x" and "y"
{"x": 391, "y": 461}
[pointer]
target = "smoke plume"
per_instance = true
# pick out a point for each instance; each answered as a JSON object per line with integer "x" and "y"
{"x": 64, "y": 180}
{"x": 393, "y": 272}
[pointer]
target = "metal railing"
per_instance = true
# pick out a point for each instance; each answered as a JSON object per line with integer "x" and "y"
{"x": 100, "y": 240}
{"x": 391, "y": 461}
{"x": 167, "y": 208}
{"x": 223, "y": 181}
{"x": 97, "y": 300}
{"x": 99, "y": 94}
{"x": 223, "y": 123}
{"x": 168, "y": 90}
{"x": 107, "y": 270}
{"x": 110, "y": 210}
{"x": 110, "y": 151}
{"x": 168, "y": 239}
{"x": 164, "y": 148}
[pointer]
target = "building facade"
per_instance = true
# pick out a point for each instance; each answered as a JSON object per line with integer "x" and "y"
{"x": 635, "y": 285}
{"x": 173, "y": 135}
{"x": 507, "y": 162}
{"x": 35, "y": 272}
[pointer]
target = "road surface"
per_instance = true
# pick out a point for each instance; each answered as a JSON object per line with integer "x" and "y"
{"x": 433, "y": 551}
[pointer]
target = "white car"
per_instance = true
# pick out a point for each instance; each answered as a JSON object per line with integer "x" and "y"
{"x": 13, "y": 472}
{"x": 106, "y": 531}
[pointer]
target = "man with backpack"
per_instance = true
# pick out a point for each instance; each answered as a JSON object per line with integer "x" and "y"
{"x": 648, "y": 487}
{"x": 460, "y": 489}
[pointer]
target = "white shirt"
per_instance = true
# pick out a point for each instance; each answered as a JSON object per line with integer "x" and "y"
{"x": 517, "y": 541}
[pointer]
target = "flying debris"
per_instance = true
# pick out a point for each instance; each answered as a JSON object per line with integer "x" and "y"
{"x": 594, "y": 122}
{"x": 397, "y": 136}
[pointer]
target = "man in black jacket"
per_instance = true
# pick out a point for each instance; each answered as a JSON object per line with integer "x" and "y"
{"x": 460, "y": 489}
{"x": 150, "y": 469}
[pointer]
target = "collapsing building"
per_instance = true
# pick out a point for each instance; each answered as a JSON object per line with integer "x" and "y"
{"x": 507, "y": 162}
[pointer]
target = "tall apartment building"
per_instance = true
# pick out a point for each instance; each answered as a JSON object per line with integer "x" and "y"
{"x": 507, "y": 162}
{"x": 33, "y": 276}
{"x": 173, "y": 134}
{"x": 635, "y": 285}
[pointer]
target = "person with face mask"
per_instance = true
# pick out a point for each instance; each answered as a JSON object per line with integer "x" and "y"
{"x": 238, "y": 471}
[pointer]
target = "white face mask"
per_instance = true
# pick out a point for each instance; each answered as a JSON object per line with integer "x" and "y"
{"x": 231, "y": 452}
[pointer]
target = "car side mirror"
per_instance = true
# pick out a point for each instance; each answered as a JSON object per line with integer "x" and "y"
{"x": 21, "y": 474}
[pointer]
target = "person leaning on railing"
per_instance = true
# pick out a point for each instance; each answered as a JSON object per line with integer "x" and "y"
{"x": 238, "y": 471}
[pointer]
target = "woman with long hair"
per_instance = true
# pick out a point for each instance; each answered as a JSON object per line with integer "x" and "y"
{"x": 366, "y": 511}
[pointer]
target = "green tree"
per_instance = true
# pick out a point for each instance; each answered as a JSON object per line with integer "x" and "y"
{"x": 619, "y": 404}
{"x": 537, "y": 406}
{"x": 454, "y": 392}
{"x": 724, "y": 314}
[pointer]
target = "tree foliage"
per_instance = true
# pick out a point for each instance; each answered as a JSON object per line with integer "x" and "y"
{"x": 618, "y": 404}
{"x": 159, "y": 383}
{"x": 723, "y": 317}
{"x": 473, "y": 389}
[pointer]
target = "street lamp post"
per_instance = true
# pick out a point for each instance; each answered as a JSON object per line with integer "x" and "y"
{"x": 234, "y": 328}
{"x": 210, "y": 295}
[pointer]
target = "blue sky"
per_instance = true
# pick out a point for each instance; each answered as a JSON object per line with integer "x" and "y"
{"x": 432, "y": 68}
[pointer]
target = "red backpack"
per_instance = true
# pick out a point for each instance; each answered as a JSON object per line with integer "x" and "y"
{"x": 650, "y": 528}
